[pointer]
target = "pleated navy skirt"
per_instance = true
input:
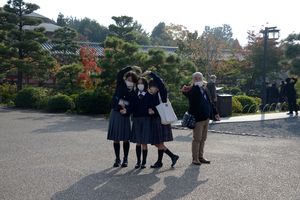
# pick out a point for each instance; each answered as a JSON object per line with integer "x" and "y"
{"x": 141, "y": 130}
{"x": 119, "y": 128}
{"x": 160, "y": 133}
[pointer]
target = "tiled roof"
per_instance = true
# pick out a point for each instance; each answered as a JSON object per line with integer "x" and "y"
{"x": 47, "y": 26}
{"x": 100, "y": 50}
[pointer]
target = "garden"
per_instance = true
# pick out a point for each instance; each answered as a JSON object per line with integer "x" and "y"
{"x": 83, "y": 79}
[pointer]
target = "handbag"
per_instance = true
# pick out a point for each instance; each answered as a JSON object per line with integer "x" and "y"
{"x": 166, "y": 112}
{"x": 188, "y": 121}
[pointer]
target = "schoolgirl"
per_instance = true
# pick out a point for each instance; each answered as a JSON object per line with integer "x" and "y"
{"x": 160, "y": 133}
{"x": 119, "y": 123}
{"x": 141, "y": 133}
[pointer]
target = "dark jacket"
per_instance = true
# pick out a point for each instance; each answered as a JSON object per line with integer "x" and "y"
{"x": 162, "y": 91}
{"x": 122, "y": 92}
{"x": 290, "y": 90}
{"x": 141, "y": 105}
{"x": 212, "y": 90}
{"x": 201, "y": 108}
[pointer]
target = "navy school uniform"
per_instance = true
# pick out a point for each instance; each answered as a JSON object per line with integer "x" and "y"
{"x": 141, "y": 127}
{"x": 119, "y": 124}
{"x": 160, "y": 132}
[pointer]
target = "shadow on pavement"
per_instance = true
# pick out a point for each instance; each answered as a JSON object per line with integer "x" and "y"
{"x": 177, "y": 187}
{"x": 108, "y": 184}
{"x": 74, "y": 124}
{"x": 184, "y": 138}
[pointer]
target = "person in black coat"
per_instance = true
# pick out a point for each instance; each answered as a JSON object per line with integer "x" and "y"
{"x": 202, "y": 108}
{"x": 141, "y": 128}
{"x": 119, "y": 123}
{"x": 282, "y": 95}
{"x": 291, "y": 95}
{"x": 160, "y": 133}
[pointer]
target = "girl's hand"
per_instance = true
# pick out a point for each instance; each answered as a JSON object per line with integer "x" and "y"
{"x": 151, "y": 111}
{"x": 123, "y": 111}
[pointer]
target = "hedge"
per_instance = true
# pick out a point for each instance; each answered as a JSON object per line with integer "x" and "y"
{"x": 7, "y": 92}
{"x": 249, "y": 104}
{"x": 60, "y": 103}
{"x": 93, "y": 102}
{"x": 30, "y": 97}
{"x": 236, "y": 105}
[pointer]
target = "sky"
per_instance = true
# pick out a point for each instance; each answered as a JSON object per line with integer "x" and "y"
{"x": 241, "y": 15}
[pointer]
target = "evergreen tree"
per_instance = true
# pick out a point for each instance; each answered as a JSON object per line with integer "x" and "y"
{"x": 20, "y": 45}
{"x": 65, "y": 48}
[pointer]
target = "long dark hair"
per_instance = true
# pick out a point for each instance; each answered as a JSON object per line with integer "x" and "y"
{"x": 133, "y": 76}
{"x": 145, "y": 82}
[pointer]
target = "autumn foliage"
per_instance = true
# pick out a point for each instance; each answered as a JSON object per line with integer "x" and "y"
{"x": 90, "y": 69}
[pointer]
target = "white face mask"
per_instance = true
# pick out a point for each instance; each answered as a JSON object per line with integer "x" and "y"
{"x": 141, "y": 87}
{"x": 129, "y": 85}
{"x": 199, "y": 83}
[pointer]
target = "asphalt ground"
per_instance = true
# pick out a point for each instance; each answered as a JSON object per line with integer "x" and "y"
{"x": 58, "y": 156}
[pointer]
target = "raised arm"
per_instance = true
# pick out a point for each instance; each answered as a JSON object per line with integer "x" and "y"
{"x": 121, "y": 74}
{"x": 295, "y": 80}
{"x": 159, "y": 81}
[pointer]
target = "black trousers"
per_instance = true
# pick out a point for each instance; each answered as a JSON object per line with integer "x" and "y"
{"x": 292, "y": 105}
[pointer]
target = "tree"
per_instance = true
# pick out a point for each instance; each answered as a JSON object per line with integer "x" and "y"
{"x": 117, "y": 55}
{"x": 64, "y": 45}
{"x": 68, "y": 77}
{"x": 255, "y": 56}
{"x": 23, "y": 46}
{"x": 161, "y": 37}
{"x": 61, "y": 20}
{"x": 91, "y": 71}
{"x": 214, "y": 41}
{"x": 128, "y": 30}
{"x": 292, "y": 53}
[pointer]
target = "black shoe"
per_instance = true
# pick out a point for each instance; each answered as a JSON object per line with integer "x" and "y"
{"x": 124, "y": 163}
{"x": 143, "y": 166}
{"x": 138, "y": 165}
{"x": 203, "y": 161}
{"x": 117, "y": 163}
{"x": 174, "y": 160}
{"x": 196, "y": 163}
{"x": 157, "y": 165}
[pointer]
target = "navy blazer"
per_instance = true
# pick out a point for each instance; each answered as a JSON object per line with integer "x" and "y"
{"x": 122, "y": 92}
{"x": 141, "y": 105}
{"x": 201, "y": 108}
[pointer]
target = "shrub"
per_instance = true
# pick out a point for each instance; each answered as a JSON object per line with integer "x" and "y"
{"x": 236, "y": 105}
{"x": 180, "y": 106}
{"x": 60, "y": 103}
{"x": 257, "y": 100}
{"x": 7, "y": 92}
{"x": 93, "y": 102}
{"x": 30, "y": 97}
{"x": 235, "y": 91}
{"x": 248, "y": 103}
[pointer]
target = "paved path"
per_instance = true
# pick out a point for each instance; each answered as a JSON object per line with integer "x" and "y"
{"x": 57, "y": 156}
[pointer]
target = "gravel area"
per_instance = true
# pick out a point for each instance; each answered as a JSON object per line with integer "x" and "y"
{"x": 284, "y": 128}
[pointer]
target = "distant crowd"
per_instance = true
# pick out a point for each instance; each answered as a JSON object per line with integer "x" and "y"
{"x": 286, "y": 92}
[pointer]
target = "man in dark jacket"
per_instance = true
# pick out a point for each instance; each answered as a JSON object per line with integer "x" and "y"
{"x": 202, "y": 108}
{"x": 291, "y": 95}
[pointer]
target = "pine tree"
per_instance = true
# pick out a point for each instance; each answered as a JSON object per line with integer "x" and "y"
{"x": 22, "y": 46}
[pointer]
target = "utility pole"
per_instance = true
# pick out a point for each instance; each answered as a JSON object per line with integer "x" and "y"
{"x": 275, "y": 35}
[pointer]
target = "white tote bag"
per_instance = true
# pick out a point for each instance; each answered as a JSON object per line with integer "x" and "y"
{"x": 166, "y": 112}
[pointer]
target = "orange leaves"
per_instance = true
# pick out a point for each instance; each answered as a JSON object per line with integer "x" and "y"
{"x": 89, "y": 61}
